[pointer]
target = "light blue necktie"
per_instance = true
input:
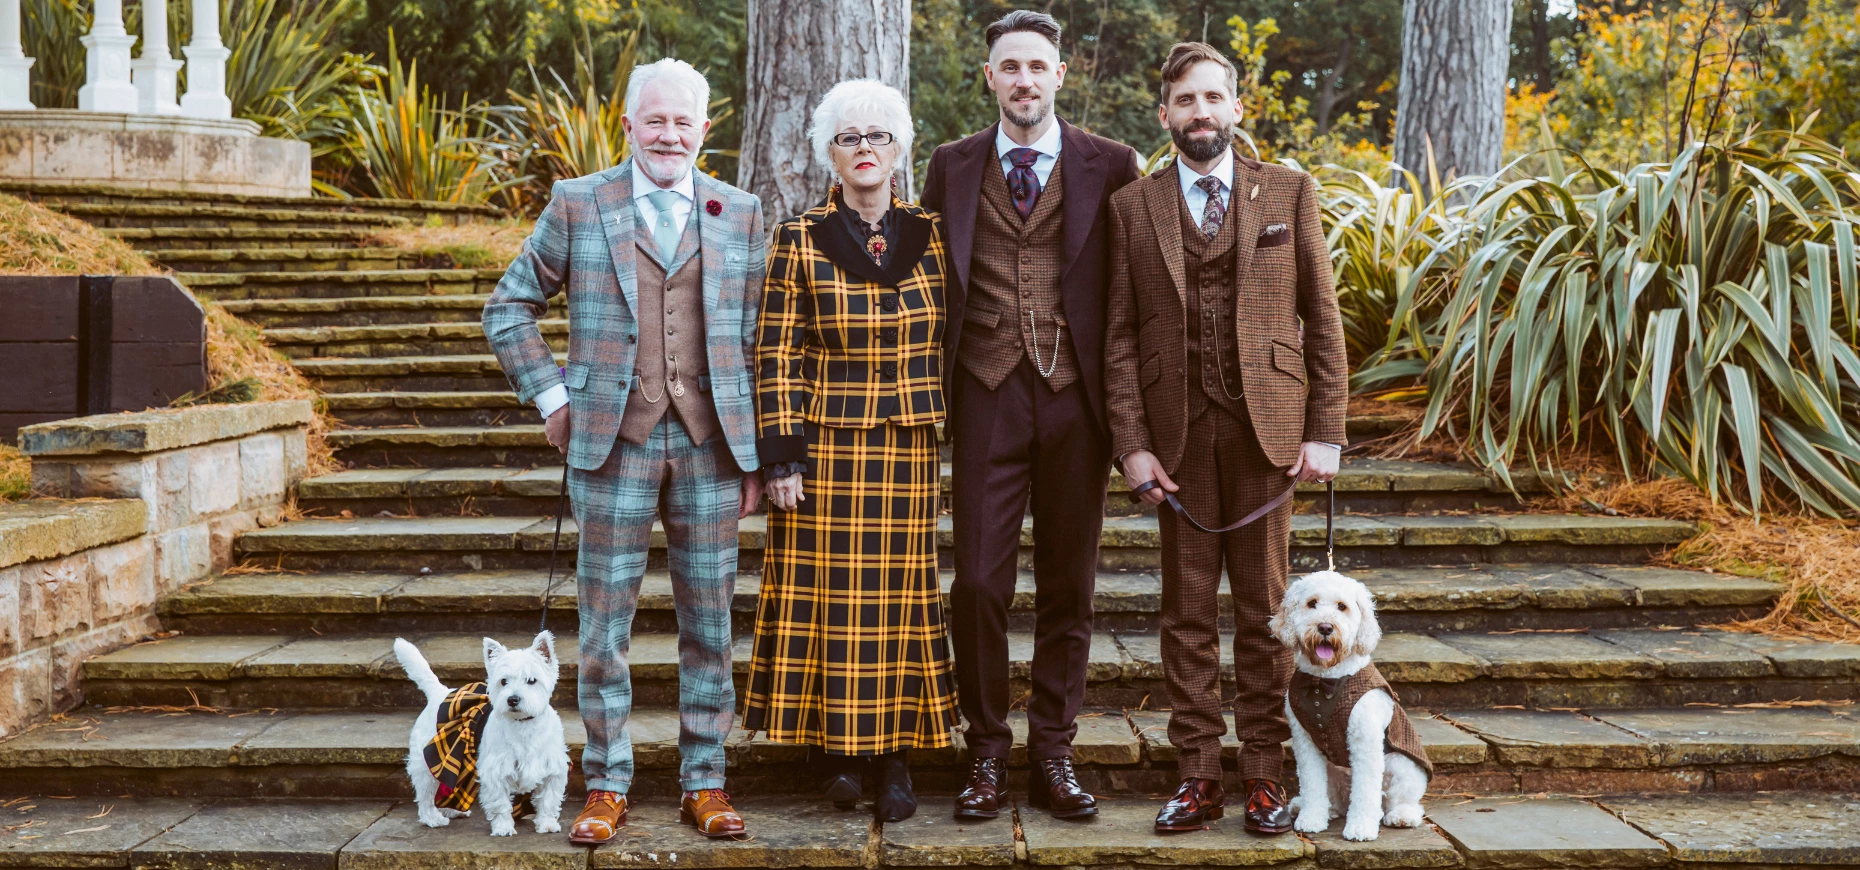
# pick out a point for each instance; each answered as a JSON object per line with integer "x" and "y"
{"x": 663, "y": 231}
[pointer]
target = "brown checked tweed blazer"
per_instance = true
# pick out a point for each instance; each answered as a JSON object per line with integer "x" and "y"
{"x": 1285, "y": 316}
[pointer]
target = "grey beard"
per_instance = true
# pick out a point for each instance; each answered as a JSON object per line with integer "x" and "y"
{"x": 1200, "y": 150}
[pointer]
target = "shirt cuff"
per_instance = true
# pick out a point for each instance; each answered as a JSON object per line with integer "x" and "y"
{"x": 549, "y": 400}
{"x": 1336, "y": 447}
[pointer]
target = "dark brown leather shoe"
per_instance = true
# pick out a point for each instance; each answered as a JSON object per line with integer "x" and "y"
{"x": 1196, "y": 803}
{"x": 1267, "y": 811}
{"x": 1056, "y": 790}
{"x": 981, "y": 798}
{"x": 709, "y": 811}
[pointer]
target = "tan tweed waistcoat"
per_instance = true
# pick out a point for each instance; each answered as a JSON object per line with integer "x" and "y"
{"x": 1014, "y": 290}
{"x": 671, "y": 343}
{"x": 1323, "y": 707}
{"x": 1210, "y": 311}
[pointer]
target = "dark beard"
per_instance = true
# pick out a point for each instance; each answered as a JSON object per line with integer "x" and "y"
{"x": 1202, "y": 150}
{"x": 1034, "y": 117}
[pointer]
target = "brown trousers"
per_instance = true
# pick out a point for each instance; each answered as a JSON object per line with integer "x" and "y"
{"x": 1224, "y": 476}
{"x": 1020, "y": 441}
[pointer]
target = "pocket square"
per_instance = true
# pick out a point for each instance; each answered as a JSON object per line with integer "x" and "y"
{"x": 1275, "y": 235}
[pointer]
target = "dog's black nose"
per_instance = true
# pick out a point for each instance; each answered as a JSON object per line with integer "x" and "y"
{"x": 1324, "y": 629}
{"x": 513, "y": 701}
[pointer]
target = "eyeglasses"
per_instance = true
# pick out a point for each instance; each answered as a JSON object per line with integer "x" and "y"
{"x": 878, "y": 138}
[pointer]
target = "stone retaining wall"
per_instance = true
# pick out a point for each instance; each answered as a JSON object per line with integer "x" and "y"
{"x": 135, "y": 506}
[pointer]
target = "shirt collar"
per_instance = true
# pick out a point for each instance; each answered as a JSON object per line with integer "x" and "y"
{"x": 686, "y": 187}
{"x": 1047, "y": 144}
{"x": 1223, "y": 170}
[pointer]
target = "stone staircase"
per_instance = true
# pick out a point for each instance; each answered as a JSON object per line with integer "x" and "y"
{"x": 1542, "y": 653}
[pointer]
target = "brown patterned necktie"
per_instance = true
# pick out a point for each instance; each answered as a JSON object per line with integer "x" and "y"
{"x": 1215, "y": 210}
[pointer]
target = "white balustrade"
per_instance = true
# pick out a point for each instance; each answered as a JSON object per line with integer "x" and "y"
{"x": 154, "y": 72}
{"x": 206, "y": 65}
{"x": 107, "y": 85}
{"x": 15, "y": 66}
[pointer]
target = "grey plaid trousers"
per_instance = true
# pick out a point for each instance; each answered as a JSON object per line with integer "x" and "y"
{"x": 696, "y": 488}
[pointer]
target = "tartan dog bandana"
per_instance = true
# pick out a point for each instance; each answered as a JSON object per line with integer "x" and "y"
{"x": 452, "y": 754}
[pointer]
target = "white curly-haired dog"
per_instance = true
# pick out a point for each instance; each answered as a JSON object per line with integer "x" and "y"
{"x": 521, "y": 750}
{"x": 1352, "y": 742}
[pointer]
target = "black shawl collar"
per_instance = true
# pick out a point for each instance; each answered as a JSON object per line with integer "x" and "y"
{"x": 836, "y": 241}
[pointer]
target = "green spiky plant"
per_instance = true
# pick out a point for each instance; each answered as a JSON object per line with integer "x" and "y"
{"x": 412, "y": 145}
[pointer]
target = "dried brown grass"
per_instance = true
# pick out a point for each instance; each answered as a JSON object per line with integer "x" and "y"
{"x": 15, "y": 474}
{"x": 1815, "y": 558}
{"x": 478, "y": 244}
{"x": 236, "y": 350}
{"x": 35, "y": 240}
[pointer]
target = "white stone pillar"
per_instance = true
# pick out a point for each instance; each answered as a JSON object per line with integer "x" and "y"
{"x": 206, "y": 65}
{"x": 107, "y": 87}
{"x": 15, "y": 66}
{"x": 155, "y": 70}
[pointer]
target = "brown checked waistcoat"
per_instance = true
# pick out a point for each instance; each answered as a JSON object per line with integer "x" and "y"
{"x": 671, "y": 338}
{"x": 1213, "y": 352}
{"x": 1014, "y": 295}
{"x": 1323, "y": 707}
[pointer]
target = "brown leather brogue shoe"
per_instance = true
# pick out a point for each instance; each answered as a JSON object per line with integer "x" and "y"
{"x": 981, "y": 798}
{"x": 600, "y": 819}
{"x": 1196, "y": 803}
{"x": 1057, "y": 791}
{"x": 709, "y": 811}
{"x": 1267, "y": 811}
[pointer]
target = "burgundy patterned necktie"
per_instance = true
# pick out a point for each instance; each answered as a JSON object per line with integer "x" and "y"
{"x": 1215, "y": 210}
{"x": 1022, "y": 182}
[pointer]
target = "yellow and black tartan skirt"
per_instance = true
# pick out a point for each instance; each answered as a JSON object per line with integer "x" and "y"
{"x": 850, "y": 652}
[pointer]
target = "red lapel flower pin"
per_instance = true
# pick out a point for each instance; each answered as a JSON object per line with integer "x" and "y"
{"x": 713, "y": 208}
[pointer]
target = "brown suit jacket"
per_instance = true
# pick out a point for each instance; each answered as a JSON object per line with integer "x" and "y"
{"x": 1095, "y": 168}
{"x": 1286, "y": 324}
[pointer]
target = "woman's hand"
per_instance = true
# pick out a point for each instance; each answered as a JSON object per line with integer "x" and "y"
{"x": 785, "y": 492}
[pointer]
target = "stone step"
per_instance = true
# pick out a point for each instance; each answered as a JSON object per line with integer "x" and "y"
{"x": 114, "y": 215}
{"x": 1363, "y": 485}
{"x": 474, "y": 372}
{"x": 314, "y": 284}
{"x": 397, "y": 339}
{"x": 1469, "y": 598}
{"x": 285, "y": 259}
{"x": 1715, "y": 830}
{"x": 422, "y": 211}
{"x": 168, "y": 239}
{"x": 360, "y": 310}
{"x": 1126, "y": 544}
{"x": 1551, "y": 669}
{"x": 451, "y": 408}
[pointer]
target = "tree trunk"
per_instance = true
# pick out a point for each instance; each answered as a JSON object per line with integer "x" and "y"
{"x": 1455, "y": 55}
{"x": 798, "y": 49}
{"x": 1328, "y": 95}
{"x": 1540, "y": 46}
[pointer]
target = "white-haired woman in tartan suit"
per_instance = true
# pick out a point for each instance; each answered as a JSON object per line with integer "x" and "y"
{"x": 850, "y": 655}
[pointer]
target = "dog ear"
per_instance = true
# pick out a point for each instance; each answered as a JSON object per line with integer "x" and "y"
{"x": 1279, "y": 626}
{"x": 544, "y": 645}
{"x": 493, "y": 651}
{"x": 1368, "y": 628}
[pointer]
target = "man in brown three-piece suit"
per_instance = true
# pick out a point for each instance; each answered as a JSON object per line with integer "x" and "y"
{"x": 1024, "y": 205}
{"x": 1225, "y": 369}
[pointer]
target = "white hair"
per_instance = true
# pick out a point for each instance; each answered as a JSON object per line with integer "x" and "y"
{"x": 675, "y": 72}
{"x": 868, "y": 100}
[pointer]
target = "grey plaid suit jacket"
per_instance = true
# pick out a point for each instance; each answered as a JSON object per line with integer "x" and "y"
{"x": 584, "y": 245}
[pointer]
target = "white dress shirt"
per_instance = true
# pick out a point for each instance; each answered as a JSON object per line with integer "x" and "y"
{"x": 555, "y": 397}
{"x": 1048, "y": 146}
{"x": 1192, "y": 193}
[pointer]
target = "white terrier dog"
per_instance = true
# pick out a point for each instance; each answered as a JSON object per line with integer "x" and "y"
{"x": 1352, "y": 742}
{"x": 520, "y": 751}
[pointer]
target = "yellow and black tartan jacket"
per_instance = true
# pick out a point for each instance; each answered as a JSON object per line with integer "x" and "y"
{"x": 452, "y": 754}
{"x": 845, "y": 343}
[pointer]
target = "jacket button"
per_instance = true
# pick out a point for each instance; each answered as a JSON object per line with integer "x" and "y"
{"x": 889, "y": 303}
{"x": 889, "y": 370}
{"x": 888, "y": 335}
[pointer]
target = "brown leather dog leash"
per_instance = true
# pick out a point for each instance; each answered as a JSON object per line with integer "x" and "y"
{"x": 1330, "y": 513}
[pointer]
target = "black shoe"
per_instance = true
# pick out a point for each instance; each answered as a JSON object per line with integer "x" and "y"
{"x": 896, "y": 801}
{"x": 1055, "y": 788}
{"x": 844, "y": 783}
{"x": 981, "y": 798}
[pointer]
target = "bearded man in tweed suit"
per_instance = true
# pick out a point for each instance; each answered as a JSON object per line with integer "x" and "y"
{"x": 663, "y": 268}
{"x": 1224, "y": 367}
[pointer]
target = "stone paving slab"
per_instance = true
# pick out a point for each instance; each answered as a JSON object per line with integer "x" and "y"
{"x": 360, "y": 483}
{"x": 314, "y": 657}
{"x": 205, "y": 657}
{"x": 1588, "y": 530}
{"x": 1446, "y": 744}
{"x": 1545, "y": 738}
{"x": 1107, "y": 660}
{"x": 286, "y": 593}
{"x": 1153, "y": 729}
{"x": 1104, "y": 737}
{"x": 277, "y": 835}
{"x": 782, "y": 833}
{"x": 1800, "y": 658}
{"x": 1417, "y": 658}
{"x": 82, "y": 832}
{"x": 388, "y": 533}
{"x": 1558, "y": 587}
{"x": 1394, "y": 847}
{"x": 1443, "y": 588}
{"x": 1689, "y": 654}
{"x": 44, "y": 528}
{"x": 1672, "y": 587}
{"x": 1448, "y": 531}
{"x": 1537, "y": 655}
{"x": 934, "y": 839}
{"x": 1766, "y": 829}
{"x": 459, "y": 658}
{"x": 471, "y": 592}
{"x": 1706, "y": 735}
{"x": 136, "y": 739}
{"x": 336, "y": 737}
{"x": 1123, "y": 833}
{"x": 1522, "y": 832}
{"x": 398, "y": 841}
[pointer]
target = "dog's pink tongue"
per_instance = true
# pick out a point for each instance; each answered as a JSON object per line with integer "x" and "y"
{"x": 1325, "y": 651}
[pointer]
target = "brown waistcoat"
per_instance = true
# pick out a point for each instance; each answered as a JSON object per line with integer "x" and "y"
{"x": 1015, "y": 273}
{"x": 671, "y": 340}
{"x": 1210, "y": 312}
{"x": 1323, "y": 707}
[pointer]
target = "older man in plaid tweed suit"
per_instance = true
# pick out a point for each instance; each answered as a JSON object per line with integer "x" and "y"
{"x": 1224, "y": 368}
{"x": 663, "y": 268}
